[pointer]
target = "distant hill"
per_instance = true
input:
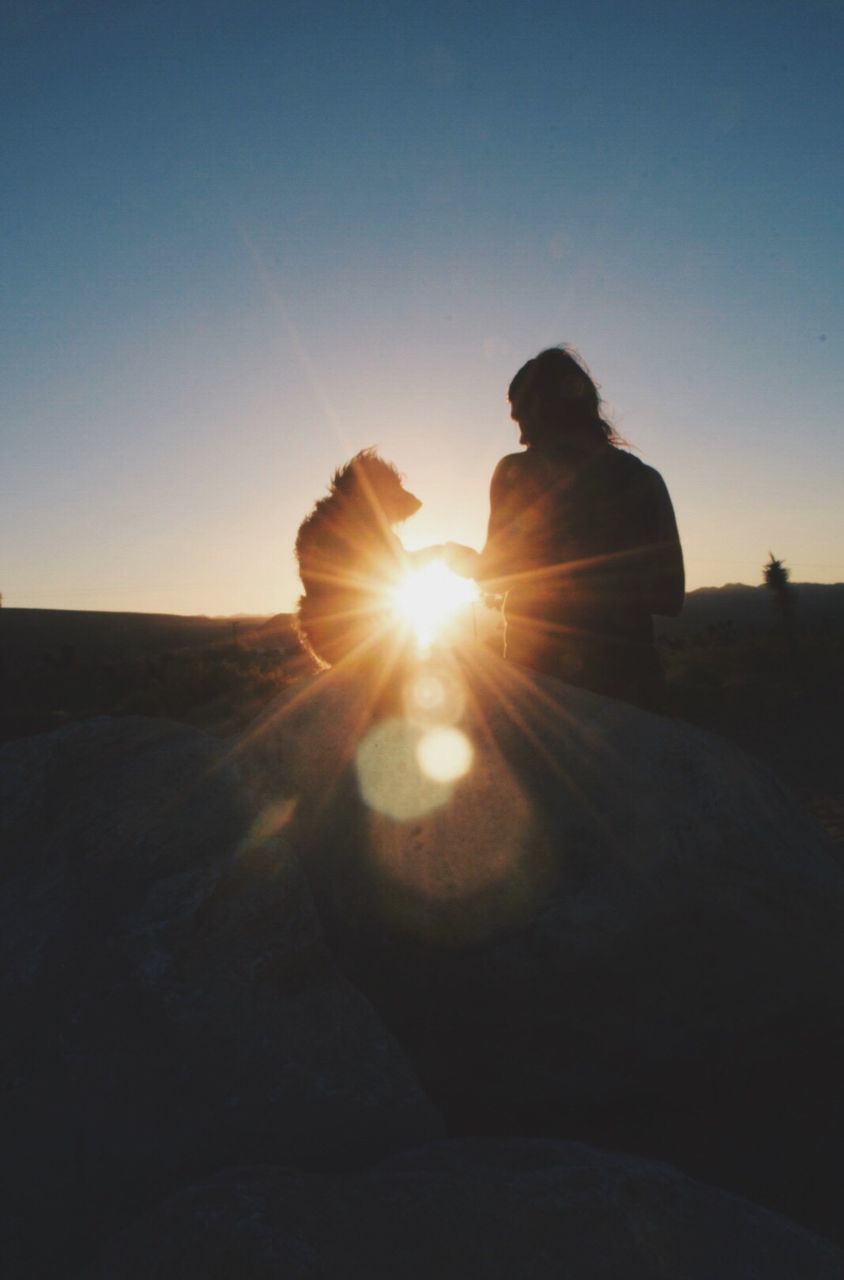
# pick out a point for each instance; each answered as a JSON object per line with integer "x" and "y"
{"x": 30, "y": 632}
{"x": 816, "y": 604}
{"x": 276, "y": 632}
{"x": 33, "y": 632}
{"x": 60, "y": 664}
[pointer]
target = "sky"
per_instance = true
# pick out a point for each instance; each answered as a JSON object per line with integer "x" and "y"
{"x": 242, "y": 239}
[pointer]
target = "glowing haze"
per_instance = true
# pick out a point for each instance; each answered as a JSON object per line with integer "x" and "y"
{"x": 244, "y": 240}
{"x": 428, "y": 598}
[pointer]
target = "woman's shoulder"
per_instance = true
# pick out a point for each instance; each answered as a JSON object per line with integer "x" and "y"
{"x": 627, "y": 470}
{"x": 512, "y": 463}
{"x": 519, "y": 467}
{"x": 510, "y": 470}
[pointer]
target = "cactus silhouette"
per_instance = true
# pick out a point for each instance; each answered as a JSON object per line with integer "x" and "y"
{"x": 776, "y": 577}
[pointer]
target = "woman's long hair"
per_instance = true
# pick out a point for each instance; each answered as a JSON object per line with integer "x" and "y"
{"x": 555, "y": 401}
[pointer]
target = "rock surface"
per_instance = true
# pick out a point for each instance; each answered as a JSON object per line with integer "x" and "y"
{"x": 579, "y": 920}
{"x": 168, "y": 1003}
{"x": 613, "y": 926}
{"x": 489, "y": 1210}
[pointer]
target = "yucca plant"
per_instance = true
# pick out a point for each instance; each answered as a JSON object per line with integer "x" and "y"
{"x": 776, "y": 577}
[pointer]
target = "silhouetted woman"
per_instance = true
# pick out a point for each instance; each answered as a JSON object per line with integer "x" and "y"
{"x": 582, "y": 539}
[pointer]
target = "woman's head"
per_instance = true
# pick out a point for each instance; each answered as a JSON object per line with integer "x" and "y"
{"x": 556, "y": 403}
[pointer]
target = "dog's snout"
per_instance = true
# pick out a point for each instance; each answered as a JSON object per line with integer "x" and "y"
{"x": 409, "y": 505}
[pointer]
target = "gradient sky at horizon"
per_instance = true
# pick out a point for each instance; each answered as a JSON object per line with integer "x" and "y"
{"x": 243, "y": 239}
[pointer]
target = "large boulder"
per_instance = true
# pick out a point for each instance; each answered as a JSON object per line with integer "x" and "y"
{"x": 580, "y": 918}
{"x": 168, "y": 1004}
{"x": 489, "y": 1210}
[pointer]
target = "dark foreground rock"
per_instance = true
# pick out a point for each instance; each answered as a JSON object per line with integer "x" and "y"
{"x": 168, "y": 1005}
{"x": 612, "y": 926}
{"x": 485, "y": 1210}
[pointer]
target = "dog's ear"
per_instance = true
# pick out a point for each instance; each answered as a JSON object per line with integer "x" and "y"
{"x": 343, "y": 480}
{"x": 359, "y": 473}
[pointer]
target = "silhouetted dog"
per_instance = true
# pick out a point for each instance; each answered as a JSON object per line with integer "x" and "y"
{"x": 349, "y": 558}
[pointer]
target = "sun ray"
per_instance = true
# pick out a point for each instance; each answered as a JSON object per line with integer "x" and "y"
{"x": 517, "y": 692}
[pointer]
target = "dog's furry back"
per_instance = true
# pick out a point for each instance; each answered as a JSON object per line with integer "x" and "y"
{"x": 349, "y": 557}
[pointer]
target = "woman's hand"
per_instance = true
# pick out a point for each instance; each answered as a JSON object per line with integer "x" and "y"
{"x": 462, "y": 560}
{"x": 424, "y": 555}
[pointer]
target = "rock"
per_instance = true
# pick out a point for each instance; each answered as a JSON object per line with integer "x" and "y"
{"x": 490, "y": 1210}
{"x": 612, "y": 926}
{"x": 168, "y": 1003}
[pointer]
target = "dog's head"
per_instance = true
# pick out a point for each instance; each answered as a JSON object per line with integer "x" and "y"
{"x": 375, "y": 484}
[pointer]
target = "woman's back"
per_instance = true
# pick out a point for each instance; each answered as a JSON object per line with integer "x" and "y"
{"x": 587, "y": 550}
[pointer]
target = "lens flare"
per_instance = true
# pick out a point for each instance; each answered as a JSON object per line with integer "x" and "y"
{"x": 430, "y": 597}
{"x": 444, "y": 754}
{"x": 390, "y": 777}
{"x": 435, "y": 696}
{"x": 427, "y": 695}
{"x": 272, "y": 818}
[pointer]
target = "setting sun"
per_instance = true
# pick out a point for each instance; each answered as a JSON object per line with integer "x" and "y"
{"x": 428, "y": 598}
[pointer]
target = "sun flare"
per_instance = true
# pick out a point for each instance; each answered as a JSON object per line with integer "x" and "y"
{"x": 427, "y": 599}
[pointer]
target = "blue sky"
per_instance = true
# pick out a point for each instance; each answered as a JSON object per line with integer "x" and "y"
{"x": 242, "y": 240}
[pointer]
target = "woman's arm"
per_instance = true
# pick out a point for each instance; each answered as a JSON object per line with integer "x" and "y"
{"x": 492, "y": 560}
{"x": 502, "y": 553}
{"x": 663, "y": 573}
